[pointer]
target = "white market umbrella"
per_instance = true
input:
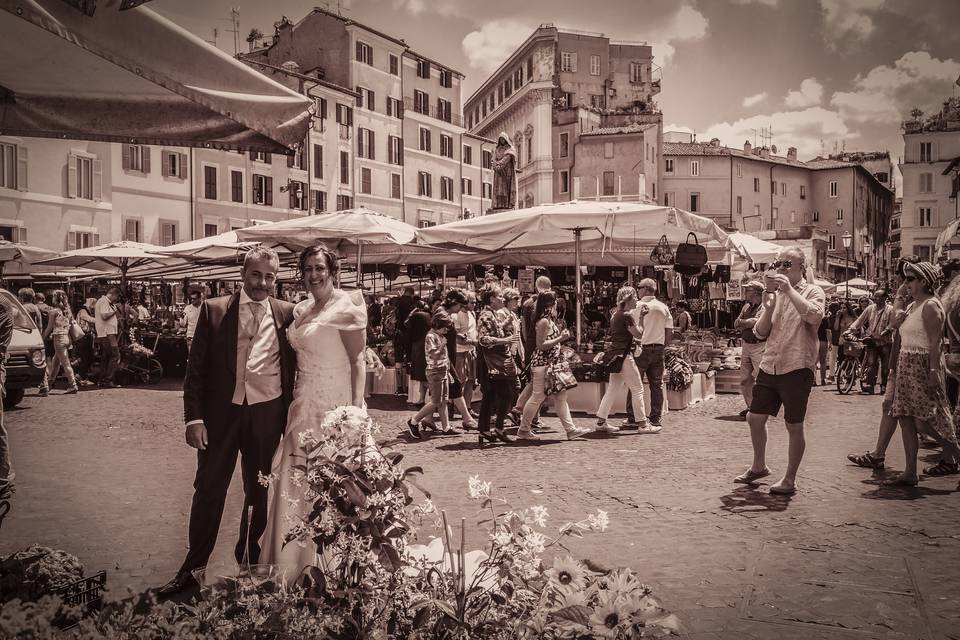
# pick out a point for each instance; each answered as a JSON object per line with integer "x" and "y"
{"x": 859, "y": 283}
{"x": 106, "y": 74}
{"x": 754, "y": 249}
{"x": 224, "y": 246}
{"x": 826, "y": 285}
{"x": 23, "y": 255}
{"x": 850, "y": 292}
{"x": 113, "y": 256}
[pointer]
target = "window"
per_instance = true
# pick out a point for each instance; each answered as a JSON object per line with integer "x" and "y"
{"x": 564, "y": 181}
{"x": 446, "y": 78}
{"x": 423, "y": 224}
{"x": 168, "y": 233}
{"x": 366, "y": 144}
{"x": 423, "y": 69}
{"x": 210, "y": 229}
{"x": 773, "y": 187}
{"x": 364, "y": 53}
{"x": 319, "y": 200}
{"x": 443, "y": 110}
{"x": 487, "y": 158}
{"x": 739, "y": 169}
{"x": 299, "y": 159}
{"x": 803, "y": 192}
{"x": 424, "y": 139}
{"x": 926, "y": 152}
{"x": 839, "y": 216}
{"x": 756, "y": 185}
{"x": 466, "y": 186}
{"x": 882, "y": 176}
{"x": 608, "y": 179}
{"x": 394, "y": 107}
{"x": 84, "y": 177}
{"x": 834, "y": 189}
{"x": 366, "y": 181}
{"x": 740, "y": 205}
{"x": 529, "y": 69}
{"x": 298, "y": 195}
{"x": 344, "y": 167}
{"x": 467, "y": 154}
{"x": 82, "y": 239}
{"x": 694, "y": 168}
{"x": 318, "y": 161}
{"x": 260, "y": 156}
{"x": 446, "y": 188}
{"x": 832, "y": 242}
{"x": 926, "y": 183}
{"x": 394, "y": 65}
{"x": 926, "y": 216}
{"x": 345, "y": 120}
{"x": 487, "y": 190}
{"x": 596, "y": 101}
{"x": 320, "y": 118}
{"x": 568, "y": 61}
{"x": 783, "y": 189}
{"x": 594, "y": 65}
{"x": 446, "y": 146}
{"x": 636, "y": 73}
{"x": 131, "y": 230}
{"x": 816, "y": 216}
{"x": 922, "y": 251}
{"x": 669, "y": 199}
{"x": 344, "y": 203}
{"x": 569, "y": 99}
{"x": 236, "y": 186}
{"x": 694, "y": 201}
{"x": 210, "y": 182}
{"x": 396, "y": 191}
{"x": 775, "y": 214}
{"x": 424, "y": 184}
{"x": 136, "y": 157}
{"x": 262, "y": 190}
{"x": 492, "y": 104}
{"x": 668, "y": 165}
{"x": 13, "y": 166}
{"x": 483, "y": 109}
{"x": 173, "y": 164}
{"x": 394, "y": 150}
{"x": 421, "y": 102}
{"x": 607, "y": 150}
{"x": 530, "y": 149}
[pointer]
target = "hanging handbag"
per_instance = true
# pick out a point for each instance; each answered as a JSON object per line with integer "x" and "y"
{"x": 690, "y": 257}
{"x": 499, "y": 362}
{"x": 75, "y": 332}
{"x": 662, "y": 253}
{"x": 558, "y": 377}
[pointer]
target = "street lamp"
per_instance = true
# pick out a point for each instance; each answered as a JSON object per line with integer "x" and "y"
{"x": 867, "y": 251}
{"x": 847, "y": 241}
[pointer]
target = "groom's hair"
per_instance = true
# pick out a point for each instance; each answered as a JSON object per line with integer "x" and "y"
{"x": 261, "y": 253}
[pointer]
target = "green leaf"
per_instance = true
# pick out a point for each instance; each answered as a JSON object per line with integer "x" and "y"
{"x": 577, "y": 614}
{"x": 354, "y": 493}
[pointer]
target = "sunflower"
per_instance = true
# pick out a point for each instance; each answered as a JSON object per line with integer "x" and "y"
{"x": 623, "y": 583}
{"x": 567, "y": 572}
{"x": 608, "y": 618}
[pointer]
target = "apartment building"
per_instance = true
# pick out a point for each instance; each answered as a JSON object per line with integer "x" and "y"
{"x": 755, "y": 189}
{"x": 559, "y": 86}
{"x": 929, "y": 168}
{"x": 408, "y": 130}
{"x": 67, "y": 194}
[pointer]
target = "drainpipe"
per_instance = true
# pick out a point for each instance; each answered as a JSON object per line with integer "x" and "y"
{"x": 193, "y": 202}
{"x": 771, "y": 196}
{"x": 731, "y": 190}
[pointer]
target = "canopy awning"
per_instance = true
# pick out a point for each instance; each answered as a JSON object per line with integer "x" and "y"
{"x": 753, "y": 248}
{"x": 352, "y": 226}
{"x": 133, "y": 76}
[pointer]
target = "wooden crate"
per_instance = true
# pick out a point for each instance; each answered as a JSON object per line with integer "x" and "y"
{"x": 727, "y": 381}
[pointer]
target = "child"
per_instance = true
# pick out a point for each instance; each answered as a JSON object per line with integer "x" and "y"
{"x": 438, "y": 370}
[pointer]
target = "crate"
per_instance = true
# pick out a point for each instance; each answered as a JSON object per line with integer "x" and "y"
{"x": 85, "y": 593}
{"x": 708, "y": 382}
{"x": 386, "y": 384}
{"x": 680, "y": 400}
{"x": 727, "y": 381}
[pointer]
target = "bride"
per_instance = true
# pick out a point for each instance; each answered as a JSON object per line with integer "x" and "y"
{"x": 329, "y": 336}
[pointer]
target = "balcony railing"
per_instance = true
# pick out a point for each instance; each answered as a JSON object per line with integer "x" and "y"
{"x": 409, "y": 104}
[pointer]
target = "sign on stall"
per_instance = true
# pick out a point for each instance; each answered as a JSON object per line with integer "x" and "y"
{"x": 734, "y": 291}
{"x": 525, "y": 280}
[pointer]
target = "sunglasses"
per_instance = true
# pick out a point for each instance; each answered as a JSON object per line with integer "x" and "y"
{"x": 782, "y": 264}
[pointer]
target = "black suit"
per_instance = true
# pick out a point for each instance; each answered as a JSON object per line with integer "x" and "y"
{"x": 252, "y": 430}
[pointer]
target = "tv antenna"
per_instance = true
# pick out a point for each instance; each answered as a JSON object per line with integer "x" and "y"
{"x": 234, "y": 21}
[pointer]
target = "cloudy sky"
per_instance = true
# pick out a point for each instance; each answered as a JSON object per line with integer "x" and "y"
{"x": 823, "y": 74}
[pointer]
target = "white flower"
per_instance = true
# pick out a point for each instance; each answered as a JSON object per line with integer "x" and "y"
{"x": 539, "y": 515}
{"x": 307, "y": 438}
{"x": 502, "y": 537}
{"x": 535, "y": 541}
{"x": 479, "y": 489}
{"x": 426, "y": 507}
{"x": 266, "y": 480}
{"x": 600, "y": 521}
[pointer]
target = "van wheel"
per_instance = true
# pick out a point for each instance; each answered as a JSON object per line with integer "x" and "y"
{"x": 13, "y": 398}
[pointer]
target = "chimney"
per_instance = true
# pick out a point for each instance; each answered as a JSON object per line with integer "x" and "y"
{"x": 792, "y": 154}
{"x": 715, "y": 142}
{"x": 763, "y": 152}
{"x": 747, "y": 148}
{"x": 773, "y": 149}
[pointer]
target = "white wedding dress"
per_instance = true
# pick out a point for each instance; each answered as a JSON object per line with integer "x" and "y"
{"x": 323, "y": 383}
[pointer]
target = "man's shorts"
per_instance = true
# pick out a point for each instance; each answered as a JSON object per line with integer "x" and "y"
{"x": 791, "y": 390}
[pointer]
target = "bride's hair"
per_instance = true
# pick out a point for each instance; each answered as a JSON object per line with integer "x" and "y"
{"x": 319, "y": 249}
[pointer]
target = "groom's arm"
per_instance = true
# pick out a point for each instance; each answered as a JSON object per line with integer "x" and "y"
{"x": 194, "y": 381}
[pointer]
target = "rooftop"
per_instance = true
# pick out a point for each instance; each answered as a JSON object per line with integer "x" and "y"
{"x": 761, "y": 154}
{"x": 608, "y": 131}
{"x": 948, "y": 119}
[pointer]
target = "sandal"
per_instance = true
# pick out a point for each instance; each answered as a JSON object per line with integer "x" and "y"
{"x": 942, "y": 468}
{"x": 750, "y": 476}
{"x": 866, "y": 460}
{"x": 514, "y": 416}
{"x": 900, "y": 481}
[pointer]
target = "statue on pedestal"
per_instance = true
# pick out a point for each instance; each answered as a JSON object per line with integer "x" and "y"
{"x": 504, "y": 174}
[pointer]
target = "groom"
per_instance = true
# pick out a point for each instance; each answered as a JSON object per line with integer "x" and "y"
{"x": 238, "y": 385}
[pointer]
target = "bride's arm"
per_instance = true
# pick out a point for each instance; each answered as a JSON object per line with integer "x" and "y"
{"x": 355, "y": 342}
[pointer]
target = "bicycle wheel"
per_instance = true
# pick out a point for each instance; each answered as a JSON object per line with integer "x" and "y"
{"x": 152, "y": 371}
{"x": 846, "y": 375}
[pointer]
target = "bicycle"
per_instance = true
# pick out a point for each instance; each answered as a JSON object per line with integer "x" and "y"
{"x": 850, "y": 367}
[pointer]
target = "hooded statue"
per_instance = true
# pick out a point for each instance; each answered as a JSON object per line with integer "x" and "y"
{"x": 504, "y": 174}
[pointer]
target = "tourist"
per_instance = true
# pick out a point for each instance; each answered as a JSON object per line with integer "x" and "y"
{"x": 191, "y": 314}
{"x": 405, "y": 304}
{"x": 415, "y": 332}
{"x": 619, "y": 362}
{"x": 27, "y": 298}
{"x": 751, "y": 349}
{"x": 59, "y": 319}
{"x": 547, "y": 352}
{"x": 84, "y": 346}
{"x": 107, "y": 324}
{"x": 793, "y": 309}
{"x": 450, "y": 306}
{"x": 465, "y": 322}
{"x": 497, "y": 334}
{"x": 823, "y": 335}
{"x": 438, "y": 373}
{"x": 873, "y": 324}
{"x": 6, "y": 465}
{"x": 657, "y": 334}
{"x": 511, "y": 308}
{"x": 528, "y": 336}
{"x": 683, "y": 322}
{"x": 919, "y": 397}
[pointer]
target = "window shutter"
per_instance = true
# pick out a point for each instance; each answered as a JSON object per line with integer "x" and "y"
{"x": 389, "y": 106}
{"x": 164, "y": 164}
{"x": 71, "y": 241}
{"x": 372, "y": 100}
{"x": 400, "y": 149}
{"x": 573, "y": 62}
{"x": 349, "y": 116}
{"x": 359, "y": 96}
{"x": 318, "y": 161}
{"x": 372, "y": 144}
{"x": 253, "y": 155}
{"x": 145, "y": 166}
{"x": 359, "y": 51}
{"x": 22, "y": 171}
{"x": 339, "y": 117}
{"x": 20, "y": 234}
{"x": 125, "y": 161}
{"x": 71, "y": 175}
{"x": 323, "y": 108}
{"x": 360, "y": 142}
{"x": 293, "y": 196}
{"x": 182, "y": 166}
{"x": 97, "y": 179}
{"x": 268, "y": 158}
{"x": 268, "y": 195}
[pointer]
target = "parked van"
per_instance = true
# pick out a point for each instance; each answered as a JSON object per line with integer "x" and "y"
{"x": 26, "y": 361}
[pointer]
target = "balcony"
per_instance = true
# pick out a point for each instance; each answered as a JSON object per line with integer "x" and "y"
{"x": 432, "y": 111}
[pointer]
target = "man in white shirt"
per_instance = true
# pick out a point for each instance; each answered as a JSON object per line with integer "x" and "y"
{"x": 657, "y": 334}
{"x": 107, "y": 325}
{"x": 191, "y": 313}
{"x": 465, "y": 322}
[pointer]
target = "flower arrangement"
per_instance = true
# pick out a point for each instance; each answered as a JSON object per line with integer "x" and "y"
{"x": 36, "y": 571}
{"x": 137, "y": 347}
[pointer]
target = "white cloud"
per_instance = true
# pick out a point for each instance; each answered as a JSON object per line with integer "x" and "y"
{"x": 769, "y": 3}
{"x": 809, "y": 95}
{"x": 686, "y": 25}
{"x": 487, "y": 47}
{"x": 887, "y": 93}
{"x": 847, "y": 22}
{"x": 439, "y": 7}
{"x": 756, "y": 99}
{"x": 804, "y": 129}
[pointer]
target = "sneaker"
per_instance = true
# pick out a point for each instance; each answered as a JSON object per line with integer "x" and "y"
{"x": 43, "y": 392}
{"x": 606, "y": 427}
{"x": 527, "y": 435}
{"x": 72, "y": 390}
{"x": 631, "y": 425}
{"x": 650, "y": 428}
{"x": 576, "y": 432}
{"x": 654, "y": 421}
{"x": 413, "y": 429}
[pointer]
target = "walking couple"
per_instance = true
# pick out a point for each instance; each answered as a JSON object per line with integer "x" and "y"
{"x": 260, "y": 372}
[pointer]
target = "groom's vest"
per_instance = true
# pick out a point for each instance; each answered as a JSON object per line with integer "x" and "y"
{"x": 258, "y": 359}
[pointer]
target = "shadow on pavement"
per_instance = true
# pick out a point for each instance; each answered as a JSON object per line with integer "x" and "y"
{"x": 884, "y": 492}
{"x": 750, "y": 498}
{"x": 733, "y": 418}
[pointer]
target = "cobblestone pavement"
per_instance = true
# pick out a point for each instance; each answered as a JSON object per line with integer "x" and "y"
{"x": 106, "y": 475}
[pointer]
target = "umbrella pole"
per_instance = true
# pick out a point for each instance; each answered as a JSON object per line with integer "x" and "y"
{"x": 359, "y": 264}
{"x": 576, "y": 240}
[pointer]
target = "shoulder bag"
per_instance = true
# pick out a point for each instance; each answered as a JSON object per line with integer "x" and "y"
{"x": 662, "y": 253}
{"x": 691, "y": 256}
{"x": 559, "y": 377}
{"x": 75, "y": 332}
